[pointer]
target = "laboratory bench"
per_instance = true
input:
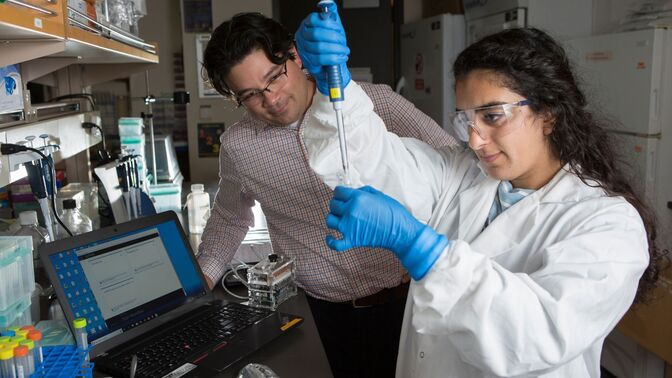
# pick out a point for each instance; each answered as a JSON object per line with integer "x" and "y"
{"x": 299, "y": 353}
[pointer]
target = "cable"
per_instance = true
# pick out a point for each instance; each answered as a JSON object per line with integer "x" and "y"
{"x": 241, "y": 265}
{"x": 235, "y": 272}
{"x": 102, "y": 134}
{"x": 9, "y": 149}
{"x": 89, "y": 125}
{"x": 53, "y": 190}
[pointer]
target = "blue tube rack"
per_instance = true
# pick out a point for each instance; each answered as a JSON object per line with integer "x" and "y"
{"x": 63, "y": 361}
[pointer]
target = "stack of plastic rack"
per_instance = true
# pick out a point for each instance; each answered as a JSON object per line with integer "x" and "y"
{"x": 17, "y": 280}
{"x": 132, "y": 138}
{"x": 63, "y": 361}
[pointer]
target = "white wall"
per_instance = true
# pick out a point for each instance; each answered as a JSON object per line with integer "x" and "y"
{"x": 161, "y": 25}
{"x": 220, "y": 110}
{"x": 412, "y": 11}
{"x": 608, "y": 13}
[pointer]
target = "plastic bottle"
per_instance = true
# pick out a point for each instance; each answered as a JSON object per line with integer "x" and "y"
{"x": 82, "y": 338}
{"x": 22, "y": 361}
{"x": 7, "y": 368}
{"x": 36, "y": 336}
{"x": 198, "y": 206}
{"x": 29, "y": 227}
{"x": 76, "y": 222}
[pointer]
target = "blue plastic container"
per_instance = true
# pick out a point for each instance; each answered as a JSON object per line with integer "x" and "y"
{"x": 63, "y": 361}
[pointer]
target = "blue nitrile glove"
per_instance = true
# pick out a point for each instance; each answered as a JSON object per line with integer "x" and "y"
{"x": 321, "y": 42}
{"x": 369, "y": 218}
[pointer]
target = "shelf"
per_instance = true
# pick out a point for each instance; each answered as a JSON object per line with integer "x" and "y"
{"x": 65, "y": 131}
{"x": 92, "y": 48}
{"x": 23, "y": 23}
{"x": 26, "y": 35}
{"x": 17, "y": 51}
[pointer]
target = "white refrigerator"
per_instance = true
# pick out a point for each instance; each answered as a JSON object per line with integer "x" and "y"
{"x": 428, "y": 49}
{"x": 628, "y": 77}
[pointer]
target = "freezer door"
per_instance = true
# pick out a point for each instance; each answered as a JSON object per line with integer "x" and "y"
{"x": 622, "y": 76}
{"x": 641, "y": 162}
{"x": 650, "y": 177}
{"x": 481, "y": 27}
{"x": 428, "y": 49}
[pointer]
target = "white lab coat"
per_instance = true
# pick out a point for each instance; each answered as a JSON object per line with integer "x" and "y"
{"x": 532, "y": 295}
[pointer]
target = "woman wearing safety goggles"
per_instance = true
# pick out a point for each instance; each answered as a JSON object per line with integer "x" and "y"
{"x": 526, "y": 247}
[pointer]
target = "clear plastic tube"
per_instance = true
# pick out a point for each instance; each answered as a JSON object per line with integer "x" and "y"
{"x": 81, "y": 337}
{"x": 7, "y": 368}
{"x": 31, "y": 354}
{"x": 23, "y": 362}
{"x": 36, "y": 336}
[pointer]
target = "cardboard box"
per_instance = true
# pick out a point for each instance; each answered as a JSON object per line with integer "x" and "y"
{"x": 434, "y": 7}
{"x": 650, "y": 324}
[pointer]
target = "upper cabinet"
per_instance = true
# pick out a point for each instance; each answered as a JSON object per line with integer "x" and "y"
{"x": 31, "y": 19}
{"x": 32, "y": 29}
{"x": 63, "y": 48}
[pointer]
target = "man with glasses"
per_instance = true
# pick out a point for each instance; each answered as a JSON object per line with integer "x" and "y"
{"x": 357, "y": 299}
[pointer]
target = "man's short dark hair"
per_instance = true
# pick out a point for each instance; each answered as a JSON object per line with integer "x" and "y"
{"x": 235, "y": 39}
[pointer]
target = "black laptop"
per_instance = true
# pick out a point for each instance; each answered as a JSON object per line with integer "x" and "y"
{"x": 143, "y": 294}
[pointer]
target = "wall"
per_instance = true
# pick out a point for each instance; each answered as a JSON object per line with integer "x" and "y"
{"x": 416, "y": 10}
{"x": 412, "y": 11}
{"x": 370, "y": 33}
{"x": 161, "y": 26}
{"x": 211, "y": 110}
{"x": 608, "y": 13}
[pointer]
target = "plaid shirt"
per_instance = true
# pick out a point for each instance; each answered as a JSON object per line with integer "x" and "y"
{"x": 269, "y": 164}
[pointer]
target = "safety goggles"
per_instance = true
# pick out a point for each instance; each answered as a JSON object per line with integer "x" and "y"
{"x": 255, "y": 96}
{"x": 487, "y": 121}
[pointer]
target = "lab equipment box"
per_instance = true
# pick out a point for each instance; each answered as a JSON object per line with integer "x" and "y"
{"x": 11, "y": 89}
{"x": 167, "y": 196}
{"x": 17, "y": 278}
{"x": 271, "y": 281}
{"x": 17, "y": 313}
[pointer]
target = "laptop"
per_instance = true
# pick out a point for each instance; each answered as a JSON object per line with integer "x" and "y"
{"x": 143, "y": 294}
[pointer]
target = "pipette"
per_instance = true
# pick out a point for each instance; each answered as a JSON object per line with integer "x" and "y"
{"x": 336, "y": 96}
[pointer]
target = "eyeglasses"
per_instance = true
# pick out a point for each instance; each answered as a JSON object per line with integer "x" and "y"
{"x": 487, "y": 121}
{"x": 255, "y": 96}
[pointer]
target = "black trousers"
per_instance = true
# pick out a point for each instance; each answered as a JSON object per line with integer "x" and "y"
{"x": 359, "y": 342}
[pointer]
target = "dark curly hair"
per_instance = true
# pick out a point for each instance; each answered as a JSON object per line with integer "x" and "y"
{"x": 235, "y": 39}
{"x": 532, "y": 64}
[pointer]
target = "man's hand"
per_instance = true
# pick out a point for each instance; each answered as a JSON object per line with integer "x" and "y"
{"x": 209, "y": 282}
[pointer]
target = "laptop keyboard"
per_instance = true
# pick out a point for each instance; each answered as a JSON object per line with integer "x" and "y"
{"x": 168, "y": 351}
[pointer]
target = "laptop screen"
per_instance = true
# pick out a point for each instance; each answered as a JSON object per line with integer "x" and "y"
{"x": 122, "y": 282}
